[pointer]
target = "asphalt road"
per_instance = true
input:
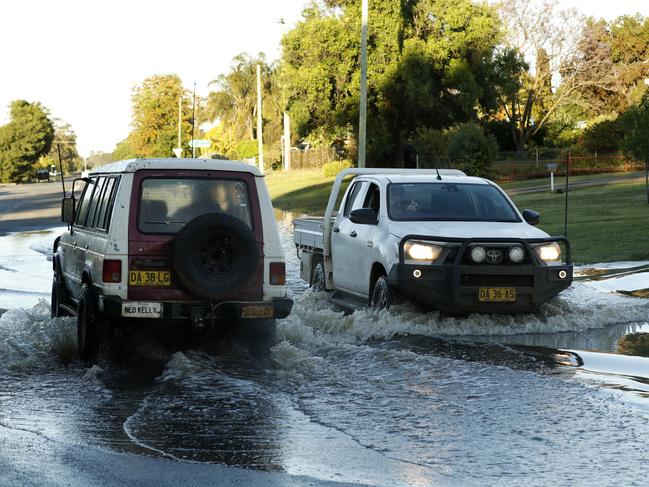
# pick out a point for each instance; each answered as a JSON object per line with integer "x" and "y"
{"x": 30, "y": 206}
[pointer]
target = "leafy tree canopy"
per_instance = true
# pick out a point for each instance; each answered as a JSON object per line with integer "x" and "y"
{"x": 66, "y": 139}
{"x": 27, "y": 137}
{"x": 427, "y": 62}
{"x": 155, "y": 118}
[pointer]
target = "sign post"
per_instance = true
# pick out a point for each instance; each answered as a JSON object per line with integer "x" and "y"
{"x": 552, "y": 167}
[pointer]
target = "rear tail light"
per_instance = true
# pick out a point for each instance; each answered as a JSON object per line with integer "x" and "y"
{"x": 277, "y": 273}
{"x": 112, "y": 271}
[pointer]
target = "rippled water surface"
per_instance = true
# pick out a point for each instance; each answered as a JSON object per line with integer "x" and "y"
{"x": 390, "y": 398}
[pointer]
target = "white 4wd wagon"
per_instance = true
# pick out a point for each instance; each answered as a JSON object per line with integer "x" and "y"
{"x": 184, "y": 242}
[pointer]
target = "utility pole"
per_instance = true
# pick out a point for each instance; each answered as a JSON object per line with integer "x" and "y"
{"x": 362, "y": 119}
{"x": 565, "y": 207}
{"x": 287, "y": 142}
{"x": 260, "y": 142}
{"x": 193, "y": 122}
{"x": 180, "y": 121}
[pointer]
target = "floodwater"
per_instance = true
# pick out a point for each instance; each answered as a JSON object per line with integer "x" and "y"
{"x": 389, "y": 398}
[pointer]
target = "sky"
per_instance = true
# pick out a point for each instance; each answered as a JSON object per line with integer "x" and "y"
{"x": 81, "y": 59}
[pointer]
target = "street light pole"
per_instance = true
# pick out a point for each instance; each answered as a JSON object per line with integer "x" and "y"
{"x": 193, "y": 122}
{"x": 180, "y": 119}
{"x": 362, "y": 119}
{"x": 260, "y": 142}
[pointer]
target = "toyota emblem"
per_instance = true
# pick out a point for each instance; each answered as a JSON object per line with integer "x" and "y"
{"x": 494, "y": 256}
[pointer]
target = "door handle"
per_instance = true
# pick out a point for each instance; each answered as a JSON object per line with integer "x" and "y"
{"x": 336, "y": 229}
{"x": 353, "y": 234}
{"x": 75, "y": 244}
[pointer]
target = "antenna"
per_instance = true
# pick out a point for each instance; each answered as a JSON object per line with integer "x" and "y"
{"x": 439, "y": 177}
{"x": 58, "y": 148}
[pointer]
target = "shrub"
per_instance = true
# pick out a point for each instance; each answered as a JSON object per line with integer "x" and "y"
{"x": 246, "y": 149}
{"x": 430, "y": 145}
{"x": 331, "y": 169}
{"x": 603, "y": 136}
{"x": 471, "y": 150}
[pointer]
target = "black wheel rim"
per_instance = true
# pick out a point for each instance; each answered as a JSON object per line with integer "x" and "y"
{"x": 216, "y": 256}
{"x": 380, "y": 299}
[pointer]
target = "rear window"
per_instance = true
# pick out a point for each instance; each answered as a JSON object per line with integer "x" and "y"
{"x": 449, "y": 202}
{"x": 166, "y": 205}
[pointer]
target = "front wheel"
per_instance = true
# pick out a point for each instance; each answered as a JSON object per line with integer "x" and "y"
{"x": 55, "y": 303}
{"x": 383, "y": 295}
{"x": 318, "y": 282}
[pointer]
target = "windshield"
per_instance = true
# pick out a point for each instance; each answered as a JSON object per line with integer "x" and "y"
{"x": 448, "y": 202}
{"x": 166, "y": 205}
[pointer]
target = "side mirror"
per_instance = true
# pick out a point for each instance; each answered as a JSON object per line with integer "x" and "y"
{"x": 531, "y": 217}
{"x": 364, "y": 216}
{"x": 67, "y": 210}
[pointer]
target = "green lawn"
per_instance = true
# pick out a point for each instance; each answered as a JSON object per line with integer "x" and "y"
{"x": 301, "y": 192}
{"x": 604, "y": 223}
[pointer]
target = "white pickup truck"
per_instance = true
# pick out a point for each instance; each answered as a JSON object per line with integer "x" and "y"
{"x": 438, "y": 237}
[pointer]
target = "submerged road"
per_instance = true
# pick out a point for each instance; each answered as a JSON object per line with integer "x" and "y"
{"x": 395, "y": 398}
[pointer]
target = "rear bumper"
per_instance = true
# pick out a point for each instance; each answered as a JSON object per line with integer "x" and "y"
{"x": 204, "y": 314}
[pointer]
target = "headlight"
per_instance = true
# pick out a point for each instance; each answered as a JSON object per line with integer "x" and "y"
{"x": 419, "y": 251}
{"x": 549, "y": 253}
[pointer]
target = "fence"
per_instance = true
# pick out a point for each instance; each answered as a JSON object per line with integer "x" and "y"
{"x": 512, "y": 167}
{"x": 513, "y": 170}
{"x": 308, "y": 158}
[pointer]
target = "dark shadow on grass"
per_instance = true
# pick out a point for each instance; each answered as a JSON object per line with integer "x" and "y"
{"x": 310, "y": 200}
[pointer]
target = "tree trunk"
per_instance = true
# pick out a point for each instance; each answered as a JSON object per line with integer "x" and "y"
{"x": 397, "y": 160}
{"x": 646, "y": 178}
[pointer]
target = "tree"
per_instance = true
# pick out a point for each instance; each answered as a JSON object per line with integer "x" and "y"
{"x": 66, "y": 139}
{"x": 547, "y": 38}
{"x": 426, "y": 63}
{"x": 155, "y": 117}
{"x": 472, "y": 150}
{"x": 234, "y": 103}
{"x": 26, "y": 138}
{"x": 635, "y": 125}
{"x": 98, "y": 158}
{"x": 623, "y": 48}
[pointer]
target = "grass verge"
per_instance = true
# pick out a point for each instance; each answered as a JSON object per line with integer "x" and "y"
{"x": 605, "y": 223}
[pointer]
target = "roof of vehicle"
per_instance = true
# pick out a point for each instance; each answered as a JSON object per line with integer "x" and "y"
{"x": 427, "y": 178}
{"x": 172, "y": 163}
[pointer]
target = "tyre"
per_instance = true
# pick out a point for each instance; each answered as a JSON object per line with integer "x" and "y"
{"x": 318, "y": 282}
{"x": 259, "y": 336}
{"x": 58, "y": 293}
{"x": 55, "y": 303}
{"x": 383, "y": 295}
{"x": 215, "y": 256}
{"x": 94, "y": 332}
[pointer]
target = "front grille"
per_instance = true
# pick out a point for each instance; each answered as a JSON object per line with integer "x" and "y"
{"x": 491, "y": 280}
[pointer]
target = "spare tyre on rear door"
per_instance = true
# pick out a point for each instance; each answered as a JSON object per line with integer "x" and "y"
{"x": 215, "y": 256}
